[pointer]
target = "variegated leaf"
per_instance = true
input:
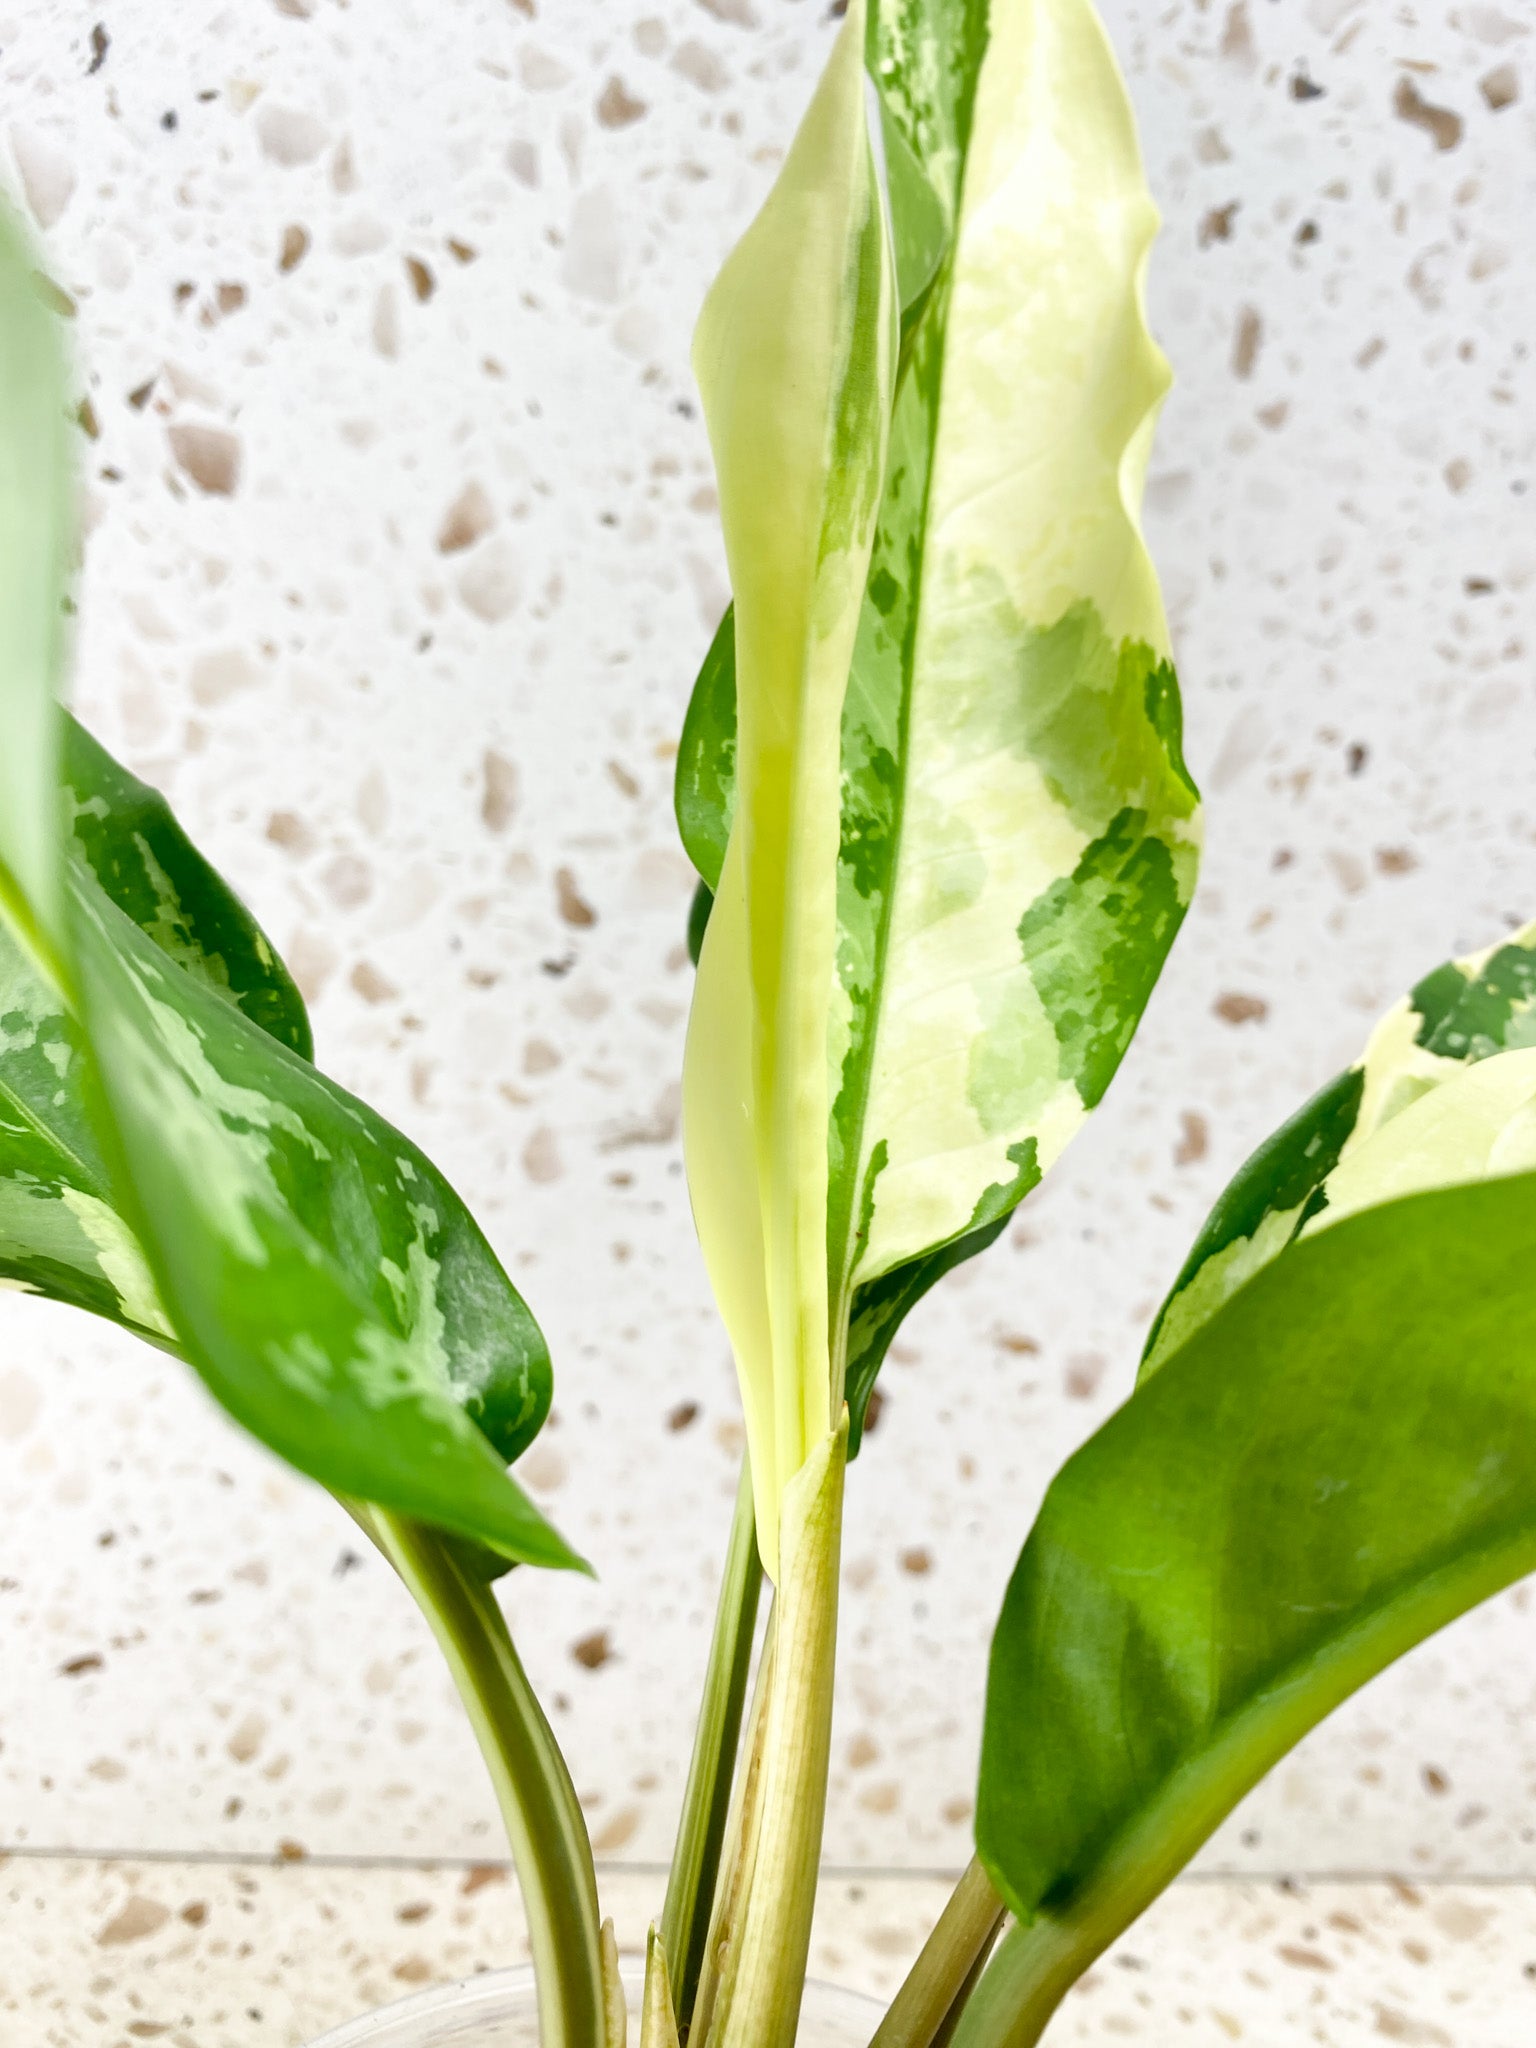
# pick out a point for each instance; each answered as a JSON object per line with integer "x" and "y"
{"x": 1019, "y": 833}
{"x": 169, "y": 1158}
{"x": 127, "y": 835}
{"x": 1341, "y": 1146}
{"x": 795, "y": 357}
{"x": 60, "y": 1231}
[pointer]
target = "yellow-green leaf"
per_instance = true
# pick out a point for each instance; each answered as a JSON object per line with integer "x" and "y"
{"x": 36, "y": 507}
{"x": 795, "y": 357}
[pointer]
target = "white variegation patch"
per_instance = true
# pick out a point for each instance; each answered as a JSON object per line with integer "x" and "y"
{"x": 1478, "y": 1124}
{"x": 1424, "y": 1118}
{"x": 1397, "y": 1069}
{"x": 168, "y": 927}
{"x": 121, "y": 1260}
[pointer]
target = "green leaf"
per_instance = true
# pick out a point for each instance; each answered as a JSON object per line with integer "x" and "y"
{"x": 61, "y": 1234}
{"x": 704, "y": 789}
{"x": 795, "y": 356}
{"x": 921, "y": 226}
{"x": 880, "y": 1309}
{"x": 1463, "y": 1012}
{"x": 1019, "y": 833}
{"x": 191, "y": 1174}
{"x": 126, "y": 834}
{"x": 1331, "y": 1467}
{"x": 354, "y": 1194}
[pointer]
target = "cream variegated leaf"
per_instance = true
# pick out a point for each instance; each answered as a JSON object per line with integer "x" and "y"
{"x": 1406, "y": 1117}
{"x": 1042, "y": 828}
{"x": 795, "y": 356}
{"x": 1019, "y": 834}
{"x": 1479, "y": 1124}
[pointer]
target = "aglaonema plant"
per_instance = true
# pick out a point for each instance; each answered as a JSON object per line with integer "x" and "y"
{"x": 932, "y": 779}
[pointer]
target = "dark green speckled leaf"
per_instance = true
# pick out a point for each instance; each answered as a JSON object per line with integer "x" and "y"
{"x": 168, "y": 1157}
{"x": 60, "y": 1231}
{"x": 126, "y": 834}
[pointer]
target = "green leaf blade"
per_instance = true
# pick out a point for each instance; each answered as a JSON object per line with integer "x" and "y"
{"x": 704, "y": 790}
{"x": 127, "y": 835}
{"x": 331, "y": 1290}
{"x": 1329, "y": 1469}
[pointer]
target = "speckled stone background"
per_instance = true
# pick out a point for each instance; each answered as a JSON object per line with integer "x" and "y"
{"x": 402, "y": 552}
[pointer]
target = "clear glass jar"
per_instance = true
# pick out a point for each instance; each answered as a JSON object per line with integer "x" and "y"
{"x": 500, "y": 2010}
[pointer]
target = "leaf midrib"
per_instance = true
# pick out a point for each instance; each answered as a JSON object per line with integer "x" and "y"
{"x": 855, "y": 1165}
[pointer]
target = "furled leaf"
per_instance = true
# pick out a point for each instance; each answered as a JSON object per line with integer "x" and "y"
{"x": 795, "y": 355}
{"x": 187, "y": 1171}
{"x": 1463, "y": 1012}
{"x": 1019, "y": 833}
{"x": 36, "y": 528}
{"x": 1332, "y": 1466}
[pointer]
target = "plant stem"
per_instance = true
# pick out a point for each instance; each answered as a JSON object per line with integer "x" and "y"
{"x": 545, "y": 1829}
{"x": 740, "y": 1836}
{"x": 706, "y": 1802}
{"x": 949, "y": 2026}
{"x": 1036, "y": 1965}
{"x": 758, "y": 1946}
{"x": 950, "y": 1961}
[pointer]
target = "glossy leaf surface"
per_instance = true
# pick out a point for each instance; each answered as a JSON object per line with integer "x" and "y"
{"x": 1018, "y": 834}
{"x": 795, "y": 356}
{"x": 61, "y": 1234}
{"x": 193, "y": 1176}
{"x": 1331, "y": 1467}
{"x": 1464, "y": 1012}
{"x": 127, "y": 835}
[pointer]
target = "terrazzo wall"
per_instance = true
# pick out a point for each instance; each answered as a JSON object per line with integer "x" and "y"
{"x": 402, "y": 552}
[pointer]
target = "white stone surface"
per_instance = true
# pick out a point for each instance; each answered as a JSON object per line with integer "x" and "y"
{"x": 108, "y": 1955}
{"x": 402, "y": 554}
